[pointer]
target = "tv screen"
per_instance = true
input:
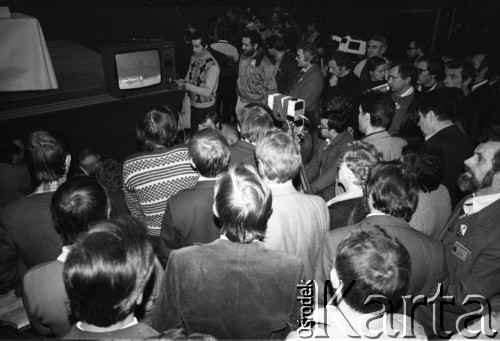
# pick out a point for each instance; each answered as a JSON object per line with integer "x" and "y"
{"x": 138, "y": 69}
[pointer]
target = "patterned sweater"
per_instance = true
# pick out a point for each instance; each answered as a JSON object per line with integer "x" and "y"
{"x": 202, "y": 80}
{"x": 150, "y": 178}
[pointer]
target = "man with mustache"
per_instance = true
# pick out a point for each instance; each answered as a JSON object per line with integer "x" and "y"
{"x": 471, "y": 239}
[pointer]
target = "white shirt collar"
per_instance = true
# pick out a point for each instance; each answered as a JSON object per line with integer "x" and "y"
{"x": 475, "y": 86}
{"x": 133, "y": 323}
{"x": 64, "y": 254}
{"x": 407, "y": 92}
{"x": 475, "y": 204}
{"x": 346, "y": 196}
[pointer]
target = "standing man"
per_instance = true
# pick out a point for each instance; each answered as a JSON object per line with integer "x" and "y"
{"x": 414, "y": 51}
{"x": 377, "y": 45}
{"x": 285, "y": 67}
{"x": 308, "y": 84}
{"x": 201, "y": 80}
{"x": 255, "y": 72}
{"x": 402, "y": 78}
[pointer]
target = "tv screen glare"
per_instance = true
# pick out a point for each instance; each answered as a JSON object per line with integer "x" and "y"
{"x": 138, "y": 69}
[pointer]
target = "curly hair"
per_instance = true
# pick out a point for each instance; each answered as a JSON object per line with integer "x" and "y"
{"x": 360, "y": 157}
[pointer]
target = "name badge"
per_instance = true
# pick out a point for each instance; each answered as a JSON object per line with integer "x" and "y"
{"x": 460, "y": 251}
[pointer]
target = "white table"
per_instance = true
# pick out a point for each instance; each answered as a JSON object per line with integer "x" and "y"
{"x": 25, "y": 62}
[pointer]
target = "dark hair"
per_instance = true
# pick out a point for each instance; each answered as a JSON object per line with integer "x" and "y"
{"x": 310, "y": 52}
{"x": 336, "y": 120}
{"x": 47, "y": 156}
{"x": 210, "y": 153}
{"x": 339, "y": 104}
{"x": 256, "y": 121}
{"x": 255, "y": 38}
{"x": 77, "y": 204}
{"x": 467, "y": 70}
{"x": 204, "y": 41}
{"x": 275, "y": 42}
{"x": 393, "y": 189}
{"x": 343, "y": 59}
{"x": 428, "y": 164}
{"x": 406, "y": 70}
{"x": 106, "y": 271}
{"x": 379, "y": 39}
{"x": 376, "y": 264}
{"x": 436, "y": 67}
{"x": 374, "y": 62}
{"x": 157, "y": 127}
{"x": 491, "y": 133}
{"x": 279, "y": 156}
{"x": 110, "y": 175}
{"x": 212, "y": 116}
{"x": 243, "y": 204}
{"x": 441, "y": 101}
{"x": 381, "y": 108}
{"x": 89, "y": 168}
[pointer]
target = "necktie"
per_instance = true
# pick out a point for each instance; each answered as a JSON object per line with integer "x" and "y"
{"x": 298, "y": 79}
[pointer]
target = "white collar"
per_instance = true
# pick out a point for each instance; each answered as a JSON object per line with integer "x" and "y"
{"x": 133, "y": 323}
{"x": 346, "y": 196}
{"x": 475, "y": 203}
{"x": 64, "y": 254}
{"x": 475, "y": 86}
{"x": 407, "y": 92}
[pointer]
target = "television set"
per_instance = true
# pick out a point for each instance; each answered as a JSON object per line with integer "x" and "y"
{"x": 138, "y": 67}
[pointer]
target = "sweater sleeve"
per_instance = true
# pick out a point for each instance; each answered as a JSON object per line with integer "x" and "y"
{"x": 207, "y": 88}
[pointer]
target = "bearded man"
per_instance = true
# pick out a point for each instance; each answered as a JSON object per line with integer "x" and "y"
{"x": 255, "y": 73}
{"x": 471, "y": 239}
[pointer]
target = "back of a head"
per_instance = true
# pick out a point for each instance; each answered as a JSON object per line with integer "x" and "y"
{"x": 47, "y": 156}
{"x": 360, "y": 157}
{"x": 443, "y": 102}
{"x": 106, "y": 271}
{"x": 243, "y": 204}
{"x": 377, "y": 263}
{"x": 336, "y": 120}
{"x": 275, "y": 42}
{"x": 428, "y": 164}
{"x": 393, "y": 189}
{"x": 279, "y": 156}
{"x": 77, "y": 204}
{"x": 436, "y": 66}
{"x": 381, "y": 108}
{"x": 210, "y": 153}
{"x": 256, "y": 121}
{"x": 157, "y": 128}
{"x": 90, "y": 161}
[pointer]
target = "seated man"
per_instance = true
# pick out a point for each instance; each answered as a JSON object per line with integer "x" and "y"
{"x": 298, "y": 221}
{"x": 392, "y": 193}
{"x": 368, "y": 262}
{"x": 27, "y": 234}
{"x": 255, "y": 121}
{"x": 76, "y": 206}
{"x": 323, "y": 168}
{"x": 189, "y": 217}
{"x": 105, "y": 274}
{"x": 234, "y": 287}
{"x": 375, "y": 117}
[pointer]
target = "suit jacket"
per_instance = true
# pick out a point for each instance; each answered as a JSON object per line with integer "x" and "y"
{"x": 242, "y": 151}
{"x": 286, "y": 73}
{"x": 45, "y": 299}
{"x": 15, "y": 182}
{"x": 428, "y": 262}
{"x": 189, "y": 219}
{"x": 27, "y": 237}
{"x": 323, "y": 168}
{"x": 309, "y": 88}
{"x": 475, "y": 271}
{"x": 297, "y": 224}
{"x": 456, "y": 148}
{"x": 230, "y": 290}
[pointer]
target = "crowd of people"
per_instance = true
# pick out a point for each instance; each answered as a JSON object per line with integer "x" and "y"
{"x": 382, "y": 197}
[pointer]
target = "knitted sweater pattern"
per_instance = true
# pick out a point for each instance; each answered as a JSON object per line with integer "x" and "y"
{"x": 150, "y": 178}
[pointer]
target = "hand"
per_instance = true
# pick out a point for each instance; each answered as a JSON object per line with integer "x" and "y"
{"x": 334, "y": 80}
{"x": 181, "y": 84}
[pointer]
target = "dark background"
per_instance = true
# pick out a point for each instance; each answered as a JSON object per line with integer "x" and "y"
{"x": 467, "y": 26}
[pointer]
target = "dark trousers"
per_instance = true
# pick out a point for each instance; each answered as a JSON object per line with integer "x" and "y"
{"x": 197, "y": 115}
{"x": 226, "y": 99}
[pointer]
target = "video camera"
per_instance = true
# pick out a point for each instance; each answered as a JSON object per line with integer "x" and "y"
{"x": 351, "y": 44}
{"x": 286, "y": 108}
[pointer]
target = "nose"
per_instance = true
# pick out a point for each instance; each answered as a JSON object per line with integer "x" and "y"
{"x": 468, "y": 162}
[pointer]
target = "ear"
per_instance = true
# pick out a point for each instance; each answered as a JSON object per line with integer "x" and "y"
{"x": 67, "y": 163}
{"x": 431, "y": 115}
{"x": 334, "y": 278}
{"x": 468, "y": 81}
{"x": 260, "y": 167}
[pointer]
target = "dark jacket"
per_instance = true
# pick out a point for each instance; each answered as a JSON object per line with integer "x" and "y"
{"x": 286, "y": 73}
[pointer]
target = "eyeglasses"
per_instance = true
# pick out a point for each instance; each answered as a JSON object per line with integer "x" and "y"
{"x": 422, "y": 70}
{"x": 320, "y": 127}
